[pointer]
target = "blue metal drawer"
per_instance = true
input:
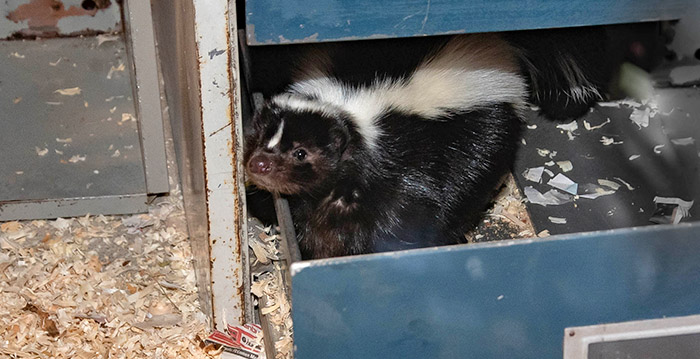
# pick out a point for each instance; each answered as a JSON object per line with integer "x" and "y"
{"x": 508, "y": 299}
{"x": 292, "y": 21}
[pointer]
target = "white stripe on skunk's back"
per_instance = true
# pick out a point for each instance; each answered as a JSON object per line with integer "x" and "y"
{"x": 469, "y": 71}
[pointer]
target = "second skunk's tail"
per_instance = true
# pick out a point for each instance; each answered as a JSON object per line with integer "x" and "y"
{"x": 568, "y": 70}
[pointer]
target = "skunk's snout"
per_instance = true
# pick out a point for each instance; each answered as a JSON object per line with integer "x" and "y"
{"x": 260, "y": 164}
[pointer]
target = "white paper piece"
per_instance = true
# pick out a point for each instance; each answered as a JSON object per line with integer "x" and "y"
{"x": 569, "y": 128}
{"x": 640, "y": 118}
{"x": 565, "y": 166}
{"x": 550, "y": 198}
{"x": 629, "y": 186}
{"x": 593, "y": 191}
{"x": 595, "y": 195}
{"x": 532, "y": 127}
{"x": 683, "y": 206}
{"x": 557, "y": 220}
{"x": 534, "y": 174}
{"x": 683, "y": 141}
{"x": 607, "y": 141}
{"x": 631, "y": 103}
{"x": 609, "y": 104}
{"x": 607, "y": 183}
{"x": 563, "y": 183}
{"x": 590, "y": 127}
{"x": 634, "y": 157}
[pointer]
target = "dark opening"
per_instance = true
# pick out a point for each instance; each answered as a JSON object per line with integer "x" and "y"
{"x": 88, "y": 5}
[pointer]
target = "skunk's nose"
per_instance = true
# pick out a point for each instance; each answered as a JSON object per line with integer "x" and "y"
{"x": 260, "y": 164}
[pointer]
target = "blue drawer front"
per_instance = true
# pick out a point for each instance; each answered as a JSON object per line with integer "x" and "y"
{"x": 286, "y": 21}
{"x": 499, "y": 300}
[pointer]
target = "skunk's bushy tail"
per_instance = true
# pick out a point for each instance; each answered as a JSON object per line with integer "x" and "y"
{"x": 567, "y": 70}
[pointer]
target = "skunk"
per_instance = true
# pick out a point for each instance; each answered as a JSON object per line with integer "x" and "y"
{"x": 379, "y": 160}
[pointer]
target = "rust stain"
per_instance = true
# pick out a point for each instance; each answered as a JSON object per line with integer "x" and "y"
{"x": 42, "y": 14}
{"x": 239, "y": 211}
{"x": 200, "y": 111}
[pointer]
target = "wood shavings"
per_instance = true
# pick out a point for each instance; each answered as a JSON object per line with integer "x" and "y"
{"x": 114, "y": 69}
{"x": 269, "y": 288}
{"x": 41, "y": 152}
{"x": 127, "y": 117}
{"x": 76, "y": 288}
{"x": 17, "y": 100}
{"x": 544, "y": 233}
{"x": 77, "y": 158}
{"x": 13, "y": 226}
{"x": 56, "y": 63}
{"x": 64, "y": 140}
{"x": 17, "y": 55}
{"x": 657, "y": 148}
{"x": 634, "y": 157}
{"x": 69, "y": 91}
{"x": 507, "y": 218}
{"x": 102, "y": 38}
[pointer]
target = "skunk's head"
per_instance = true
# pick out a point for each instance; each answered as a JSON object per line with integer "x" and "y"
{"x": 294, "y": 150}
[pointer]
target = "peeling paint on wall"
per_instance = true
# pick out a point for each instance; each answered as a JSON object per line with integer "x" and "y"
{"x": 51, "y": 18}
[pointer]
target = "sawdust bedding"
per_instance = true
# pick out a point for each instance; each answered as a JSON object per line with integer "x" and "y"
{"x": 101, "y": 287}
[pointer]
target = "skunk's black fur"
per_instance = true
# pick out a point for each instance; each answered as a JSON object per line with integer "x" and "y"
{"x": 392, "y": 157}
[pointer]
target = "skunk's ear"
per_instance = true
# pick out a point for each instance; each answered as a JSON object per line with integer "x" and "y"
{"x": 339, "y": 138}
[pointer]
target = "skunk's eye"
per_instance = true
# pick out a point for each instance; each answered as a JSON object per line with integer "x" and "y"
{"x": 299, "y": 154}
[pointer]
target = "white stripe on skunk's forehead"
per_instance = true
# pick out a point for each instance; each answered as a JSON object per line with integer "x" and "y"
{"x": 297, "y": 103}
{"x": 275, "y": 140}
